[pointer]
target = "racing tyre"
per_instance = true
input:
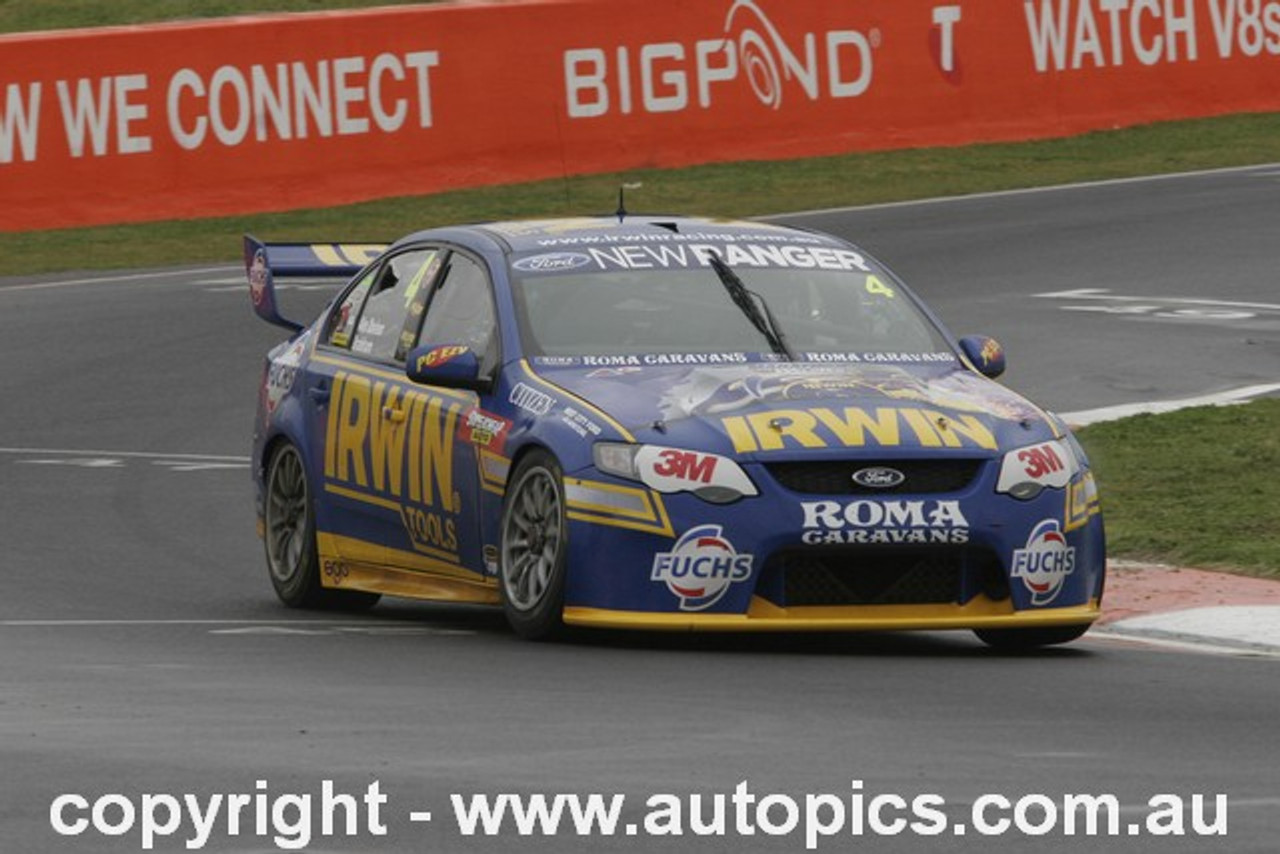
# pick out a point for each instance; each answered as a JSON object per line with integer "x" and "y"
{"x": 1017, "y": 640}
{"x": 290, "y": 523}
{"x": 535, "y": 539}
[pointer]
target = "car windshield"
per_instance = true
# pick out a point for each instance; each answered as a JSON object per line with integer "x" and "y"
{"x": 689, "y": 310}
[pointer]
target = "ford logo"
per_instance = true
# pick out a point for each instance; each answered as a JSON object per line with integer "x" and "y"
{"x": 879, "y": 477}
{"x": 550, "y": 262}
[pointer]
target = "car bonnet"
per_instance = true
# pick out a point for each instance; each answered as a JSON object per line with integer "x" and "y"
{"x": 777, "y": 408}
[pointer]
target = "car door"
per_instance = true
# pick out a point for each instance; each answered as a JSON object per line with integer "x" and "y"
{"x": 442, "y": 521}
{"x": 361, "y": 405}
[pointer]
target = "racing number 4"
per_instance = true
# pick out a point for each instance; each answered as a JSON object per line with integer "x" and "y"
{"x": 877, "y": 287}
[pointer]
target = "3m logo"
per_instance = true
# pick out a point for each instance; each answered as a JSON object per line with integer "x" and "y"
{"x": 1041, "y": 461}
{"x": 1026, "y": 471}
{"x": 685, "y": 465}
{"x": 710, "y": 476}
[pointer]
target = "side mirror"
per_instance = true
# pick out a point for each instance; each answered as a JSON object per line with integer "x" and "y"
{"x": 985, "y": 354}
{"x": 447, "y": 365}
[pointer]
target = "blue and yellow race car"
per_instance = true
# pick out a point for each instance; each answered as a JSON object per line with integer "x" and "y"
{"x": 659, "y": 423}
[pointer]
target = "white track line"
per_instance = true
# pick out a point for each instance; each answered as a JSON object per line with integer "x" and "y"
{"x": 257, "y": 627}
{"x": 1024, "y": 191}
{"x": 1181, "y": 643}
{"x": 39, "y": 623}
{"x": 1102, "y": 295}
{"x": 1124, "y": 410}
{"x": 146, "y": 455}
{"x": 130, "y": 277}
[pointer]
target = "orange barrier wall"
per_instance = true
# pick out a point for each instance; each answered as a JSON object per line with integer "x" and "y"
{"x": 279, "y": 112}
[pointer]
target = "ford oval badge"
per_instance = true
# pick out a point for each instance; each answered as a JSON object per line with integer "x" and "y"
{"x": 879, "y": 477}
{"x": 552, "y": 262}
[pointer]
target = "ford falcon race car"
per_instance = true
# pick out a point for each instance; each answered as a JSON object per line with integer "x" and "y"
{"x": 659, "y": 423}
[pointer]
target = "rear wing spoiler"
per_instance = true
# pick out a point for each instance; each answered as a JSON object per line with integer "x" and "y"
{"x": 263, "y": 262}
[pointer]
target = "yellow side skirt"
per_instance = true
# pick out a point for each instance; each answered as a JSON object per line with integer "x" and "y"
{"x": 352, "y": 564}
{"x": 419, "y": 585}
{"x": 764, "y": 616}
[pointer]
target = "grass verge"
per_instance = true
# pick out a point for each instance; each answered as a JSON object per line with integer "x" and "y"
{"x": 19, "y": 16}
{"x": 1197, "y": 487}
{"x": 736, "y": 189}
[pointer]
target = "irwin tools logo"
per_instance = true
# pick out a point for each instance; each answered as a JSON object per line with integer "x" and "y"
{"x": 701, "y": 567}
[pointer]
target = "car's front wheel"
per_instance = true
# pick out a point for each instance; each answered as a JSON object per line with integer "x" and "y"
{"x": 1017, "y": 640}
{"x": 534, "y": 547}
{"x": 290, "y": 523}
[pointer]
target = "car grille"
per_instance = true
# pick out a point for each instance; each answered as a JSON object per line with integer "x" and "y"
{"x": 881, "y": 576}
{"x": 835, "y": 477}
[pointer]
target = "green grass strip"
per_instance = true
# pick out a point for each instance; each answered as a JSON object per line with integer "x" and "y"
{"x": 737, "y": 189}
{"x": 1197, "y": 487}
{"x": 18, "y": 16}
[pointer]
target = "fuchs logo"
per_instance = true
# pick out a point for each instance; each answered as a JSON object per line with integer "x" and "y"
{"x": 1045, "y": 563}
{"x": 879, "y": 477}
{"x": 552, "y": 262}
{"x": 700, "y": 568}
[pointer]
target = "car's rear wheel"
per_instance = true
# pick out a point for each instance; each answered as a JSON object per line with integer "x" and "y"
{"x": 534, "y": 547}
{"x": 1015, "y": 640}
{"x": 290, "y": 523}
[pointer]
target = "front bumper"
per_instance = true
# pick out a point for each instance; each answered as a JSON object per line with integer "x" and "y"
{"x": 623, "y": 571}
{"x": 763, "y": 616}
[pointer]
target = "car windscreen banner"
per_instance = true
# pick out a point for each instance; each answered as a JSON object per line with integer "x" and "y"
{"x": 278, "y": 112}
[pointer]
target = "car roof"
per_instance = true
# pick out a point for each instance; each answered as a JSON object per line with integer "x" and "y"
{"x": 516, "y": 236}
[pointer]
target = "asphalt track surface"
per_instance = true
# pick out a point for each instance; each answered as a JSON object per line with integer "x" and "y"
{"x": 142, "y": 651}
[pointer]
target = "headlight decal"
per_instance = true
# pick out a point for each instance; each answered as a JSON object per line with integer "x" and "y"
{"x": 1025, "y": 472}
{"x": 709, "y": 476}
{"x": 713, "y": 478}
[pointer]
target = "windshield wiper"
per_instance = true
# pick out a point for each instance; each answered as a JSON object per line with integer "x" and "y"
{"x": 751, "y": 304}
